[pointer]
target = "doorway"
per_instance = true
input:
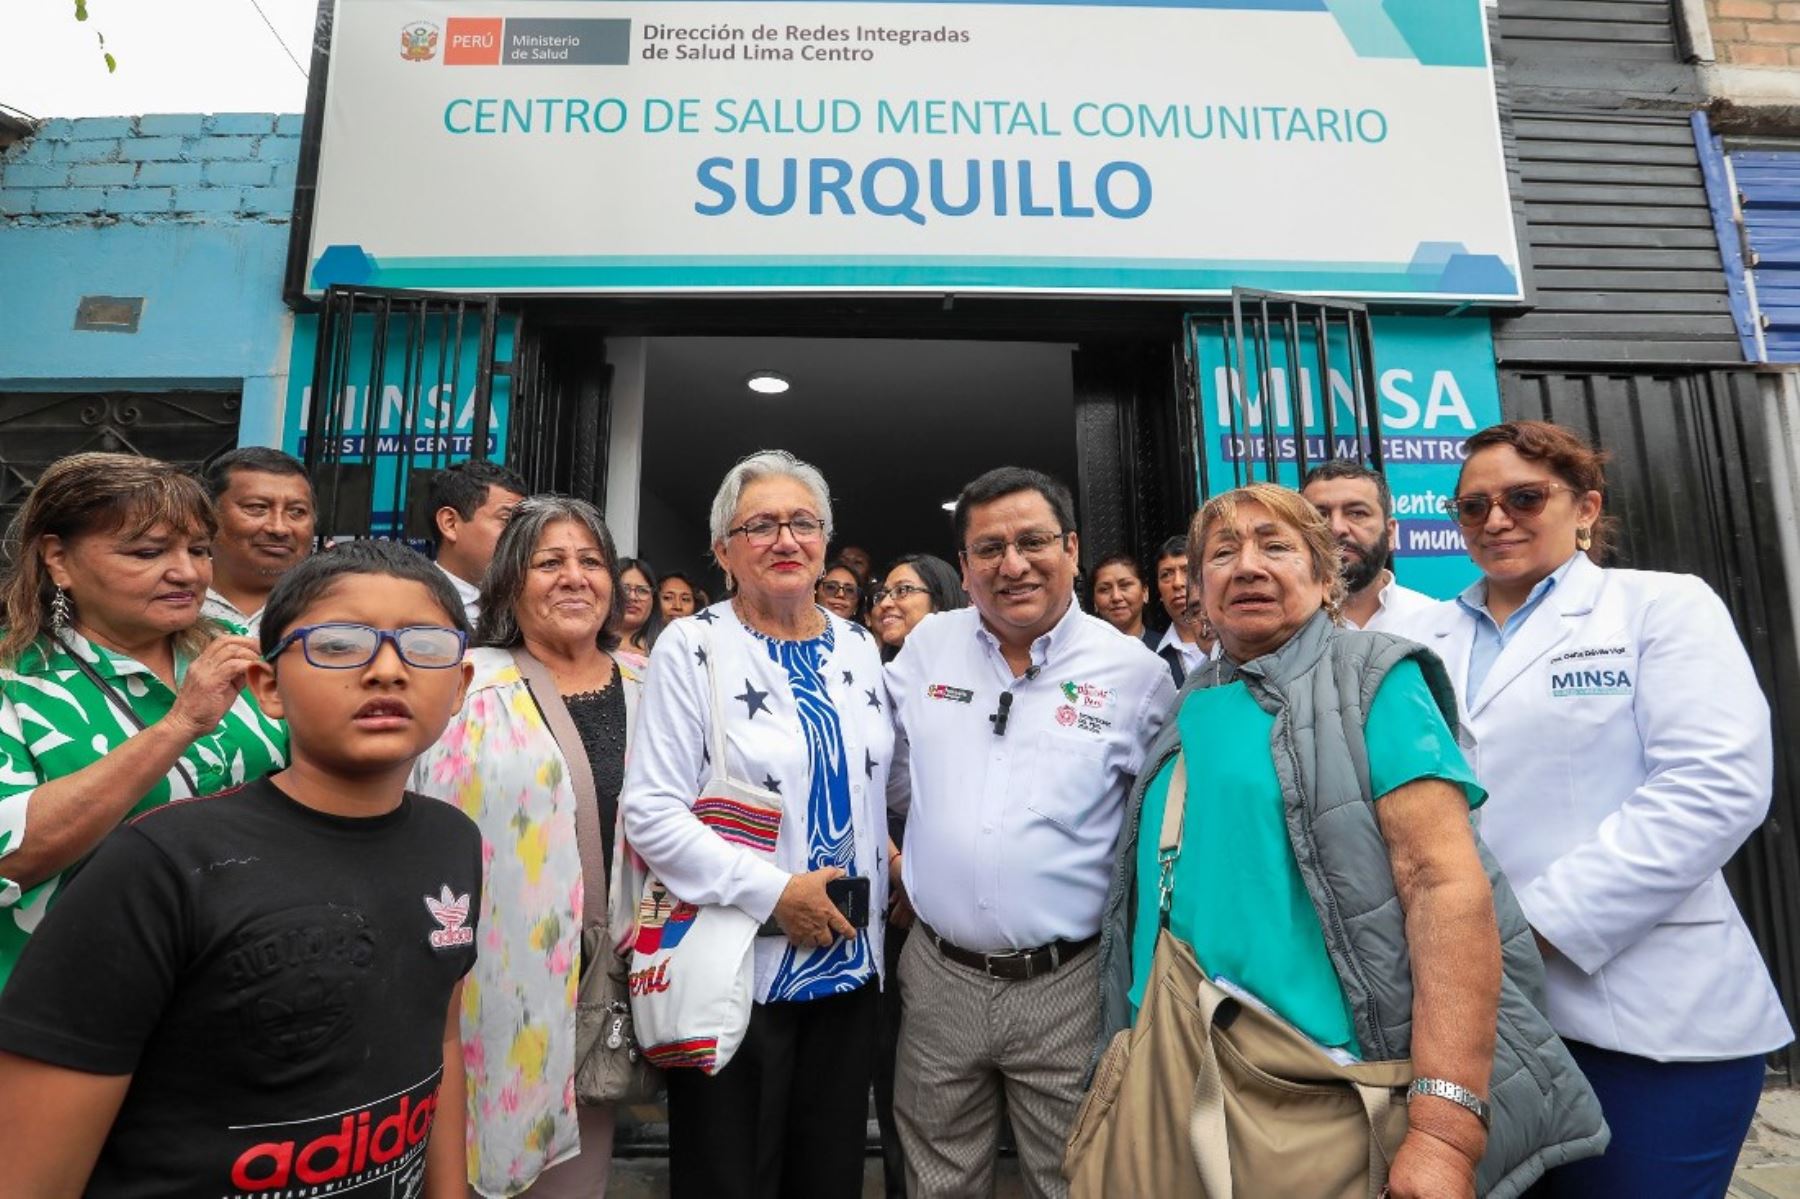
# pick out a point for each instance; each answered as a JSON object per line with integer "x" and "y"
{"x": 896, "y": 426}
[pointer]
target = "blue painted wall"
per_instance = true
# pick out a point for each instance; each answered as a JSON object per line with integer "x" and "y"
{"x": 190, "y": 212}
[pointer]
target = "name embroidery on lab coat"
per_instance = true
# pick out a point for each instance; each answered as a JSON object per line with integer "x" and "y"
{"x": 1583, "y": 672}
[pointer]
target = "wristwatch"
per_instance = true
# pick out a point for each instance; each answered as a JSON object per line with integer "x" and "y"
{"x": 1444, "y": 1089}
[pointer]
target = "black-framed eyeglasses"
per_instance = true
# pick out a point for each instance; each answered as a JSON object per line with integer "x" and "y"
{"x": 349, "y": 646}
{"x": 837, "y": 590}
{"x": 1029, "y": 545}
{"x": 763, "y": 531}
{"x": 898, "y": 592}
{"x": 1527, "y": 499}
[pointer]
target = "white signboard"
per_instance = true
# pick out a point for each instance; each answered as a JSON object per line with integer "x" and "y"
{"x": 1172, "y": 147}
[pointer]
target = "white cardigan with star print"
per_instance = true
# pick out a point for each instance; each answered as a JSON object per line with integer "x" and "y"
{"x": 765, "y": 747}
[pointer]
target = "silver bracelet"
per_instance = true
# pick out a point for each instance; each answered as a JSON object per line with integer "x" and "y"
{"x": 1442, "y": 1088}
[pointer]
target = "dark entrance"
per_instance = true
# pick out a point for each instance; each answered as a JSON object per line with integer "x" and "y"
{"x": 896, "y": 426}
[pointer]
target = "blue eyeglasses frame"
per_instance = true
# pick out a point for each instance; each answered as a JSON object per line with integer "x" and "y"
{"x": 381, "y": 636}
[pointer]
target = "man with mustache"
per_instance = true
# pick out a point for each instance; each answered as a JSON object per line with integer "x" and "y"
{"x": 264, "y": 504}
{"x": 1357, "y": 502}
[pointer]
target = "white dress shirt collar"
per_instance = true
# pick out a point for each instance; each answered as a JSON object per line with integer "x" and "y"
{"x": 1192, "y": 653}
{"x": 1398, "y": 609}
{"x": 216, "y": 607}
{"x": 467, "y": 592}
{"x": 1046, "y": 644}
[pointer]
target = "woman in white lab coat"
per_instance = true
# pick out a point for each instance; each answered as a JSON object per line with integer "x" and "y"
{"x": 1625, "y": 746}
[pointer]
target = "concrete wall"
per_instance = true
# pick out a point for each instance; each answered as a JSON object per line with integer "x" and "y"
{"x": 191, "y": 213}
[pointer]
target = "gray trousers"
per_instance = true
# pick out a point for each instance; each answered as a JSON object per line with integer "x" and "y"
{"x": 964, "y": 1039}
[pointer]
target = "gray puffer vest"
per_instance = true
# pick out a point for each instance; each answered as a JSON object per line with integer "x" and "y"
{"x": 1318, "y": 687}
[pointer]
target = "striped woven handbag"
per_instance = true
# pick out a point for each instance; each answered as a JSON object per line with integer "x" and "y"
{"x": 693, "y": 975}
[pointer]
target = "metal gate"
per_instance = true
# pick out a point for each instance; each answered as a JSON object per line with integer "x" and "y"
{"x": 1133, "y": 487}
{"x": 189, "y": 428}
{"x": 387, "y": 367}
{"x": 1301, "y": 370}
{"x": 561, "y": 425}
{"x": 407, "y": 383}
{"x": 1692, "y": 482}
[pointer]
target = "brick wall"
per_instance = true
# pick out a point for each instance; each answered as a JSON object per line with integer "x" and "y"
{"x": 1755, "y": 33}
{"x": 181, "y": 168}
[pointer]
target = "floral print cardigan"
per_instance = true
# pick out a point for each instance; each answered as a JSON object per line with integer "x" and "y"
{"x": 500, "y": 764}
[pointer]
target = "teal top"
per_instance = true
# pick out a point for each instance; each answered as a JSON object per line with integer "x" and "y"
{"x": 1239, "y": 899}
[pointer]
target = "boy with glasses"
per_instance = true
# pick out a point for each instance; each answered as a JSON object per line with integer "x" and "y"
{"x": 1025, "y": 721}
{"x": 259, "y": 992}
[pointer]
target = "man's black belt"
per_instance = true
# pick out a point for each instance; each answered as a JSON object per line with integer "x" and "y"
{"x": 1014, "y": 965}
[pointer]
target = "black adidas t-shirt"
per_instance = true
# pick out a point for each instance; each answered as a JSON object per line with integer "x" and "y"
{"x": 276, "y": 980}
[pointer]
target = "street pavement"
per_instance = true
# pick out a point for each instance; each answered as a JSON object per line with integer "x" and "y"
{"x": 1768, "y": 1168}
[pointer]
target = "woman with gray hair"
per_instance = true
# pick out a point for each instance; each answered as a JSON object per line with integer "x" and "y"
{"x": 1299, "y": 845}
{"x": 799, "y": 694}
{"x": 536, "y": 758}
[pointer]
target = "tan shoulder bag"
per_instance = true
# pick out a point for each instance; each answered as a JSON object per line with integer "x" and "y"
{"x": 1208, "y": 1097}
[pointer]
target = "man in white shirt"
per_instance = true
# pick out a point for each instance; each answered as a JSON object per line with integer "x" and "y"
{"x": 1185, "y": 643}
{"x": 1360, "y": 507}
{"x": 1026, "y": 721}
{"x": 264, "y": 505}
{"x": 470, "y": 505}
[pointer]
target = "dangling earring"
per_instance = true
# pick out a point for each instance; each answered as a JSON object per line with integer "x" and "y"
{"x": 1584, "y": 539}
{"x": 59, "y": 610}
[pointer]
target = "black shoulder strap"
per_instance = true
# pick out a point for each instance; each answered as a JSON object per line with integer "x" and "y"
{"x": 119, "y": 702}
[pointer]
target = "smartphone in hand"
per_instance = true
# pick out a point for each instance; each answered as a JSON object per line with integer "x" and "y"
{"x": 851, "y": 897}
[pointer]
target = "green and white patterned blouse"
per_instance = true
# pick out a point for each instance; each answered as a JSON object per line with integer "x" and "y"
{"x": 54, "y": 721}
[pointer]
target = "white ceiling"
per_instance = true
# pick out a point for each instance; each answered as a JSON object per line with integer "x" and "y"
{"x": 897, "y": 427}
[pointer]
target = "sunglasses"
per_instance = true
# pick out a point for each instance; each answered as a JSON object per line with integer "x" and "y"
{"x": 1527, "y": 499}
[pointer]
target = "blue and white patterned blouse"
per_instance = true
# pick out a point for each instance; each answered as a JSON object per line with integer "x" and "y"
{"x": 807, "y": 720}
{"x": 844, "y": 965}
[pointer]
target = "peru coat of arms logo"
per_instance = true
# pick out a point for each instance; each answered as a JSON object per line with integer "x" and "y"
{"x": 418, "y": 41}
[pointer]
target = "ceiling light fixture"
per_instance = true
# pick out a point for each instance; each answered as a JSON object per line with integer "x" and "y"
{"x": 949, "y": 505}
{"x": 767, "y": 383}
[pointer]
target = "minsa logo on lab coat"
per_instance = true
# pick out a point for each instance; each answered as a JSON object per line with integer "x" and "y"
{"x": 1596, "y": 671}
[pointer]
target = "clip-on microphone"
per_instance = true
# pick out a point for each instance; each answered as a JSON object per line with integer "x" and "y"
{"x": 999, "y": 718}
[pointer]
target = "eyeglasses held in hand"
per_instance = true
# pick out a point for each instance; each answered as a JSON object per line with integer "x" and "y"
{"x": 1527, "y": 499}
{"x": 1029, "y": 545}
{"x": 897, "y": 593}
{"x": 350, "y": 646}
{"x": 837, "y": 590}
{"x": 763, "y": 532}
